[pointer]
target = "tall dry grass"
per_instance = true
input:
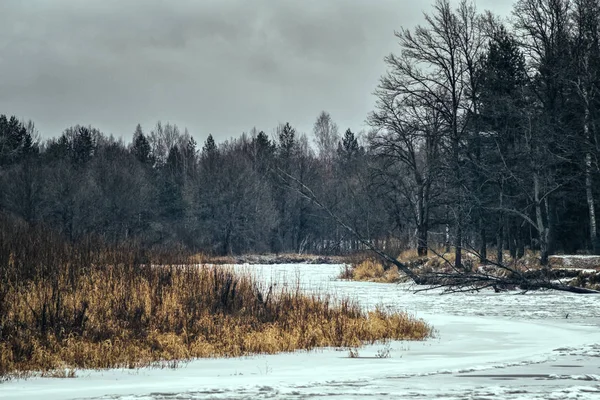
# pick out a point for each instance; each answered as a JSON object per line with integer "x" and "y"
{"x": 373, "y": 271}
{"x": 369, "y": 269}
{"x": 92, "y": 305}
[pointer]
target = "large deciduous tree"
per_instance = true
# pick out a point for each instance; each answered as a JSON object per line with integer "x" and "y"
{"x": 435, "y": 70}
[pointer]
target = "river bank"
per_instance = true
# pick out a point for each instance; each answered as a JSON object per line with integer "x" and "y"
{"x": 541, "y": 345}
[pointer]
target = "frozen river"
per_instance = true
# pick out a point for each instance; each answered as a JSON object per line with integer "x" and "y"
{"x": 542, "y": 345}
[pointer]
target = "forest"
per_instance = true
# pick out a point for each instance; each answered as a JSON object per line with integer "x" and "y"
{"x": 485, "y": 136}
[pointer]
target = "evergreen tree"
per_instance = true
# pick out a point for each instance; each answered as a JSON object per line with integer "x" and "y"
{"x": 348, "y": 148}
{"x": 287, "y": 141}
{"x": 15, "y": 141}
{"x": 209, "y": 154}
{"x": 141, "y": 148}
{"x": 209, "y": 145}
{"x": 83, "y": 146}
{"x": 499, "y": 160}
{"x": 262, "y": 152}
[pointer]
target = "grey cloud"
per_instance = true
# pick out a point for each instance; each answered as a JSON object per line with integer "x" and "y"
{"x": 216, "y": 66}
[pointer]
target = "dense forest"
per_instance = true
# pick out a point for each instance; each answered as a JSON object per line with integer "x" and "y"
{"x": 485, "y": 135}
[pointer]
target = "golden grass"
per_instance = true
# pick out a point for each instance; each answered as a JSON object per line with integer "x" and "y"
{"x": 373, "y": 271}
{"x": 120, "y": 317}
{"x": 408, "y": 255}
{"x": 91, "y": 305}
{"x": 203, "y": 258}
{"x": 437, "y": 260}
{"x": 571, "y": 270}
{"x": 531, "y": 258}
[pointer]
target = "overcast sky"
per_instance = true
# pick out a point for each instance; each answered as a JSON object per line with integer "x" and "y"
{"x": 215, "y": 66}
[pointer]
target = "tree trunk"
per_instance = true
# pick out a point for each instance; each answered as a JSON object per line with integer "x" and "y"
{"x": 589, "y": 193}
{"x": 499, "y": 254}
{"x": 542, "y": 228}
{"x": 591, "y": 204}
{"x": 458, "y": 200}
{"x": 458, "y": 246}
{"x": 422, "y": 226}
{"x": 482, "y": 240}
{"x": 512, "y": 243}
{"x": 520, "y": 243}
{"x": 499, "y": 247}
{"x": 422, "y": 240}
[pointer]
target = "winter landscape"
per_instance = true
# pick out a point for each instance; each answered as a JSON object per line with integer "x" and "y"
{"x": 243, "y": 199}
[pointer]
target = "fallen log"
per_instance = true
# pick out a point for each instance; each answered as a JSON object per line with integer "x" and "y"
{"x": 461, "y": 278}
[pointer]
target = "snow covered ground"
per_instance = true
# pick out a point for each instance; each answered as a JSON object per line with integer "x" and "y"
{"x": 488, "y": 346}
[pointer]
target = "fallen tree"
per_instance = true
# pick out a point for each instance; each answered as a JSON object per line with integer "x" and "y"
{"x": 500, "y": 277}
{"x": 463, "y": 278}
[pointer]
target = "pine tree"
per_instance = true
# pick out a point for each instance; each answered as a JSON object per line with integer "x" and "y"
{"x": 83, "y": 146}
{"x": 15, "y": 141}
{"x": 190, "y": 156}
{"x": 287, "y": 142}
{"x": 349, "y": 147}
{"x": 262, "y": 152}
{"x": 209, "y": 145}
{"x": 141, "y": 146}
{"x": 209, "y": 154}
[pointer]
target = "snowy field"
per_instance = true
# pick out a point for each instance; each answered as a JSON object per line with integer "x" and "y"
{"x": 487, "y": 346}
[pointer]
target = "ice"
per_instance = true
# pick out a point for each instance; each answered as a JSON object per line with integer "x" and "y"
{"x": 540, "y": 345}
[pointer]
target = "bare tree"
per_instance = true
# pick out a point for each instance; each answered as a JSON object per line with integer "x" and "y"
{"x": 586, "y": 57}
{"x": 327, "y": 138}
{"x": 544, "y": 26}
{"x": 435, "y": 67}
{"x": 407, "y": 144}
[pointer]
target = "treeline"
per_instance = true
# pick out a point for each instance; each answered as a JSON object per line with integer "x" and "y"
{"x": 485, "y": 135}
{"x": 162, "y": 189}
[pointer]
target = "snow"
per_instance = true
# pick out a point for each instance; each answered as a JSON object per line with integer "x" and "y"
{"x": 576, "y": 256}
{"x": 542, "y": 345}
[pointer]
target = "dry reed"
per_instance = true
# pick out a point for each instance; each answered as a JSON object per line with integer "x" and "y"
{"x": 90, "y": 305}
{"x": 373, "y": 271}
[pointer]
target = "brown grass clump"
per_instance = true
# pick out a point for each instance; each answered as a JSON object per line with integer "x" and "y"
{"x": 373, "y": 271}
{"x": 530, "y": 259}
{"x": 85, "y": 308}
{"x": 411, "y": 255}
{"x": 437, "y": 260}
{"x": 203, "y": 258}
{"x": 582, "y": 272}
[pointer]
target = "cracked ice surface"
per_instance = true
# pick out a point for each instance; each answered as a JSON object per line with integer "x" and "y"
{"x": 542, "y": 345}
